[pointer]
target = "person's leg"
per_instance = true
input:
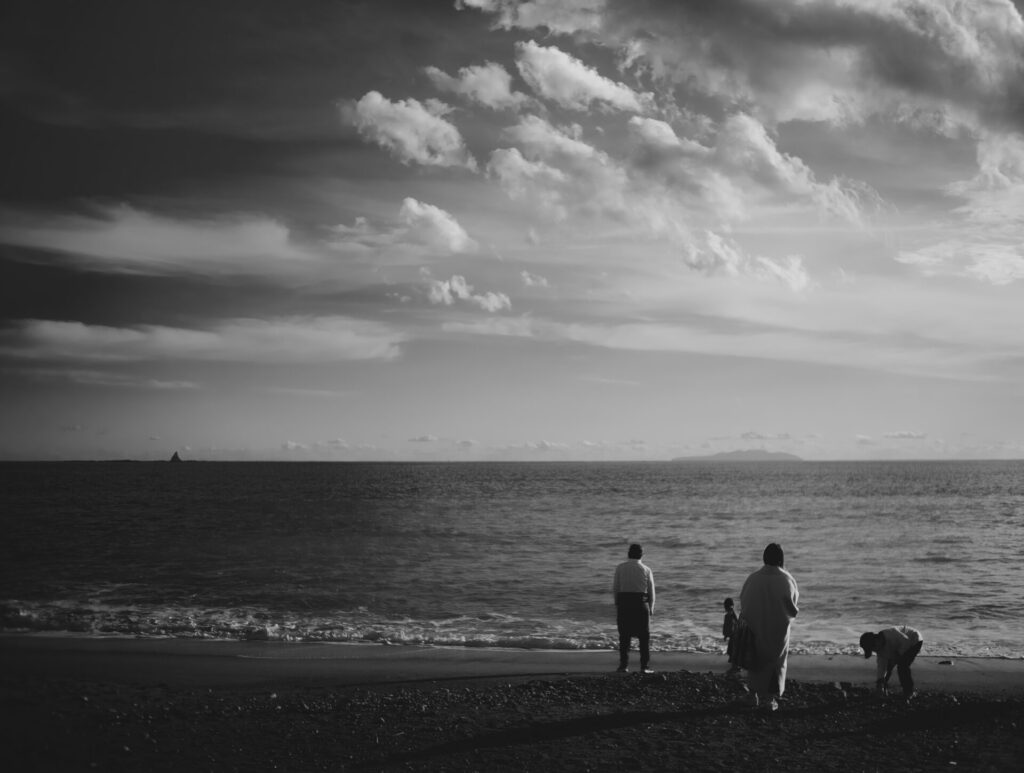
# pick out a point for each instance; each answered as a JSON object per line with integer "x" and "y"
{"x": 624, "y": 642}
{"x": 903, "y": 669}
{"x": 888, "y": 674}
{"x": 645, "y": 647}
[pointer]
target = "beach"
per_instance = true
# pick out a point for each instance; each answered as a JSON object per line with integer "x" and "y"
{"x": 171, "y": 704}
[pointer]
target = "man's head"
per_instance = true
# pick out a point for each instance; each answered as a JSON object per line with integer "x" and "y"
{"x": 635, "y": 551}
{"x": 773, "y": 555}
{"x": 728, "y": 603}
{"x": 871, "y": 642}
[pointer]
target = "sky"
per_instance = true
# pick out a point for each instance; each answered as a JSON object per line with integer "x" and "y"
{"x": 512, "y": 230}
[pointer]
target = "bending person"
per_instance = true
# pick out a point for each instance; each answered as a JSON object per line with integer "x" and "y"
{"x": 896, "y": 648}
{"x": 768, "y": 603}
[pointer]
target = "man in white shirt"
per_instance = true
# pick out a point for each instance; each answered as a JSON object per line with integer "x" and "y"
{"x": 633, "y": 588}
{"x": 895, "y": 648}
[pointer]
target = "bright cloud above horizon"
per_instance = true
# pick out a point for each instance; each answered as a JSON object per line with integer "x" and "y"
{"x": 514, "y": 226}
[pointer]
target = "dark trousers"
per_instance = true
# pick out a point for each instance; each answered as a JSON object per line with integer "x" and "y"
{"x": 634, "y": 620}
{"x": 902, "y": 666}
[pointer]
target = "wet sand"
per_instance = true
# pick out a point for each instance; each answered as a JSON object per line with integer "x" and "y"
{"x": 122, "y": 704}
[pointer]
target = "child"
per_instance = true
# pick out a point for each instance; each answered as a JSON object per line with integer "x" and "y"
{"x": 728, "y": 630}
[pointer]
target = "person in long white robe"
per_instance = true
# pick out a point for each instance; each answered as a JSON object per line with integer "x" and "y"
{"x": 768, "y": 602}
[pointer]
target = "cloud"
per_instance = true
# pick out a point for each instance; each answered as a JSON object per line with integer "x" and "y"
{"x": 412, "y": 131}
{"x": 676, "y": 189}
{"x": 559, "y": 172}
{"x": 423, "y": 231}
{"x": 533, "y": 280}
{"x": 287, "y": 340}
{"x": 489, "y": 84}
{"x": 104, "y": 378}
{"x": 568, "y": 82}
{"x": 559, "y": 16}
{"x": 544, "y": 445}
{"x": 983, "y": 238}
{"x": 432, "y": 225}
{"x": 424, "y": 439}
{"x": 906, "y": 435}
{"x": 448, "y": 291}
{"x": 520, "y": 179}
{"x": 831, "y": 333}
{"x": 790, "y": 271}
{"x": 125, "y": 239}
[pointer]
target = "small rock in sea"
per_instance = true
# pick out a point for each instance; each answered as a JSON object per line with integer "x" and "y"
{"x": 946, "y": 663}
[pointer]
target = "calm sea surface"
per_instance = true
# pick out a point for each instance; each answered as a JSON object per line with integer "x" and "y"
{"x": 509, "y": 555}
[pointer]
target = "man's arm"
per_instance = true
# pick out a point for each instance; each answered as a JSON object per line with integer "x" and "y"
{"x": 650, "y": 591}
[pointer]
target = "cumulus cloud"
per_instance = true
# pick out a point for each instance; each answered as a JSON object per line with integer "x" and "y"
{"x": 448, "y": 291}
{"x": 533, "y": 280}
{"x": 412, "y": 131}
{"x": 744, "y": 147}
{"x": 906, "y": 435}
{"x": 286, "y": 340}
{"x": 424, "y": 439}
{"x": 565, "y": 80}
{"x": 489, "y": 84}
{"x": 423, "y": 230}
{"x": 521, "y": 178}
{"x": 434, "y": 226}
{"x": 560, "y": 172}
{"x": 676, "y": 188}
{"x": 560, "y": 16}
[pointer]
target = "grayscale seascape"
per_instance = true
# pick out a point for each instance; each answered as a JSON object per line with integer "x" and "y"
{"x": 509, "y": 554}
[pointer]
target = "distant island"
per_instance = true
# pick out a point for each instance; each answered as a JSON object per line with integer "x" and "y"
{"x": 751, "y": 455}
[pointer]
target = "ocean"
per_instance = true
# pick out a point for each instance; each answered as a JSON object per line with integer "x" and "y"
{"x": 509, "y": 554}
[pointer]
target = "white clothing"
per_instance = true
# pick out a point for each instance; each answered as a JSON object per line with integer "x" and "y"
{"x": 634, "y": 576}
{"x": 768, "y": 602}
{"x": 897, "y": 641}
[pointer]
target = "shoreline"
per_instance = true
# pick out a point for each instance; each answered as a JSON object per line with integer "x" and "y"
{"x": 203, "y": 662}
{"x": 78, "y": 703}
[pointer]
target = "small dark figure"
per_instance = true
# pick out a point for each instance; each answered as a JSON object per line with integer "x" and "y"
{"x": 895, "y": 648}
{"x": 728, "y": 630}
{"x": 633, "y": 588}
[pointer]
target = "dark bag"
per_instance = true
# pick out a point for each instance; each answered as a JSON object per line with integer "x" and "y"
{"x": 744, "y": 648}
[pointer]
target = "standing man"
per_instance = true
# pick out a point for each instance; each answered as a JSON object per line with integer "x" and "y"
{"x": 768, "y": 603}
{"x": 633, "y": 589}
{"x": 896, "y": 648}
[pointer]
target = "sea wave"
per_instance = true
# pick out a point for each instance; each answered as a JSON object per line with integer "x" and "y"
{"x": 361, "y": 626}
